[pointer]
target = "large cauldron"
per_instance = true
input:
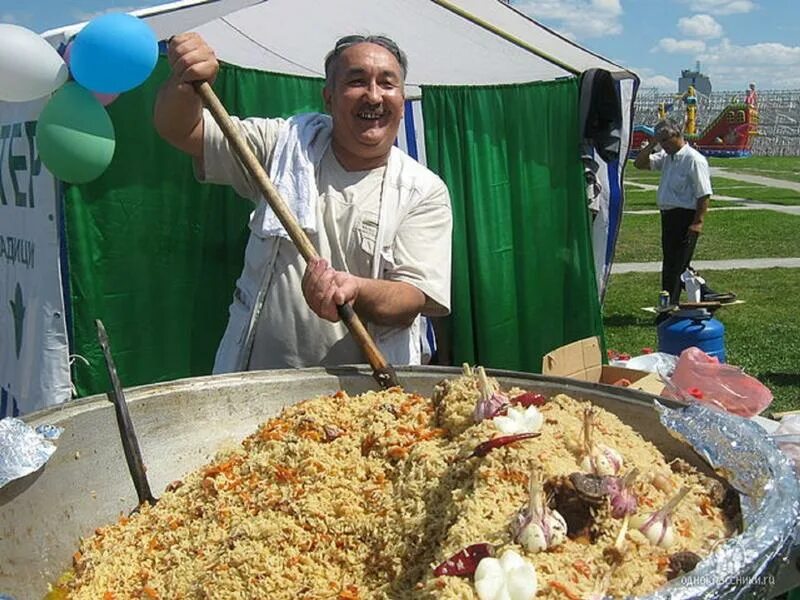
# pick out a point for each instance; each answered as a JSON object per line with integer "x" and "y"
{"x": 180, "y": 426}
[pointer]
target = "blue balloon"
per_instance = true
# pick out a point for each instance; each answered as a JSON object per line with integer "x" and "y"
{"x": 113, "y": 53}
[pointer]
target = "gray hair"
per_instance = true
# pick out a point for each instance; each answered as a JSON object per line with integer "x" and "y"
{"x": 667, "y": 129}
{"x": 347, "y": 41}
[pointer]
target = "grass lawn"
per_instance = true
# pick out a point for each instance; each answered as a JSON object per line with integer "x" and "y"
{"x": 723, "y": 186}
{"x": 762, "y": 335}
{"x": 751, "y": 191}
{"x": 728, "y": 234}
{"x": 634, "y": 174}
{"x": 779, "y": 167}
{"x": 639, "y": 199}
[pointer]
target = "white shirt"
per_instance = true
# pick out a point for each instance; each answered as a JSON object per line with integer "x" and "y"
{"x": 270, "y": 324}
{"x": 685, "y": 178}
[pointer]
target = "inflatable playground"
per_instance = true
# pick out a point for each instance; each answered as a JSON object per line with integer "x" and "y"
{"x": 729, "y": 134}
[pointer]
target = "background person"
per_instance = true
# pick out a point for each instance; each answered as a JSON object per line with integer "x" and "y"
{"x": 380, "y": 221}
{"x": 684, "y": 191}
{"x": 751, "y": 96}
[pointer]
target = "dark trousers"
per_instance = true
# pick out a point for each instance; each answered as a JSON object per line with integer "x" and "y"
{"x": 677, "y": 248}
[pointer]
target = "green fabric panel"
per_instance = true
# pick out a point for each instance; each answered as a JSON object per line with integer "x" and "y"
{"x": 523, "y": 273}
{"x": 153, "y": 253}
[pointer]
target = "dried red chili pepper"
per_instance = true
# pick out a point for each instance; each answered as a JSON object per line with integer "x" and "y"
{"x": 464, "y": 562}
{"x": 498, "y": 442}
{"x": 529, "y": 399}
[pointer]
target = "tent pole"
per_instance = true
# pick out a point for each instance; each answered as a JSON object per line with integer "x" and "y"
{"x": 506, "y": 36}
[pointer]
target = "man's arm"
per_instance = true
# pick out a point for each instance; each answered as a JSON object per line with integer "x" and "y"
{"x": 178, "y": 115}
{"x": 643, "y": 158}
{"x": 699, "y": 214}
{"x": 378, "y": 301}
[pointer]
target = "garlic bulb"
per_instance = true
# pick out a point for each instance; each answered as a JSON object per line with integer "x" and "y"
{"x": 491, "y": 402}
{"x": 535, "y": 526}
{"x": 621, "y": 496}
{"x": 597, "y": 458}
{"x": 519, "y": 420}
{"x": 657, "y": 527}
{"x": 510, "y": 577}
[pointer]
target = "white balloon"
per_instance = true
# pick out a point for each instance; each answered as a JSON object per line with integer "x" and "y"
{"x": 29, "y": 67}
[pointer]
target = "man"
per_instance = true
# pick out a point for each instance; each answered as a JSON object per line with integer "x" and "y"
{"x": 683, "y": 195}
{"x": 380, "y": 221}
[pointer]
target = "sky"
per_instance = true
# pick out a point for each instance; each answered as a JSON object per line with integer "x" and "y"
{"x": 735, "y": 41}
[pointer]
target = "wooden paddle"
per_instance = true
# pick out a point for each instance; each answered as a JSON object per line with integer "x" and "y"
{"x": 382, "y": 371}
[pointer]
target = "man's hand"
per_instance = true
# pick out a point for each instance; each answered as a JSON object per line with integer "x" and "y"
{"x": 325, "y": 288}
{"x": 642, "y": 160}
{"x": 699, "y": 216}
{"x": 192, "y": 59}
{"x": 178, "y": 115}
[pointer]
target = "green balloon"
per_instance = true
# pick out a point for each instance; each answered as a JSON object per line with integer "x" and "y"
{"x": 75, "y": 136}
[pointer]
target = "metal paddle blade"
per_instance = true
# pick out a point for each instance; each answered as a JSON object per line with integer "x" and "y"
{"x": 130, "y": 444}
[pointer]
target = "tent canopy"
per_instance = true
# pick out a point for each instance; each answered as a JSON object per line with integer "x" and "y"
{"x": 501, "y": 126}
{"x": 462, "y": 42}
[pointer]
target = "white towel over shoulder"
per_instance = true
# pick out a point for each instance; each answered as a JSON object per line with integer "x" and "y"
{"x": 302, "y": 141}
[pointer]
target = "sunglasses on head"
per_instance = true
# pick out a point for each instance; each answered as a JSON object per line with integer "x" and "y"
{"x": 350, "y": 40}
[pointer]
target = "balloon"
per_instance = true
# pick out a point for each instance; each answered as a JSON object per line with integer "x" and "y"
{"x": 29, "y": 67}
{"x": 114, "y": 53}
{"x": 75, "y": 135}
{"x": 104, "y": 99}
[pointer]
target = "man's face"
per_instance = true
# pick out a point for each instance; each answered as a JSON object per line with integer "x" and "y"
{"x": 671, "y": 144}
{"x": 366, "y": 102}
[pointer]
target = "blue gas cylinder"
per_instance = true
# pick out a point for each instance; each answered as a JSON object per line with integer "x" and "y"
{"x": 692, "y": 327}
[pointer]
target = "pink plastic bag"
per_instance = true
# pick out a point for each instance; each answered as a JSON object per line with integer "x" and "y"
{"x": 727, "y": 387}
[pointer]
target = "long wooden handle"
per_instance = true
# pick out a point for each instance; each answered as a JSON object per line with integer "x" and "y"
{"x": 381, "y": 369}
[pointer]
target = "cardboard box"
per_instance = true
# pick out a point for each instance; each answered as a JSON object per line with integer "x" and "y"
{"x": 583, "y": 360}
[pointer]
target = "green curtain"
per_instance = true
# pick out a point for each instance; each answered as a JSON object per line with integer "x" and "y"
{"x": 153, "y": 253}
{"x": 523, "y": 274}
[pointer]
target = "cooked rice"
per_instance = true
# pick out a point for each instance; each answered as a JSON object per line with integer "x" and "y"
{"x": 360, "y": 497}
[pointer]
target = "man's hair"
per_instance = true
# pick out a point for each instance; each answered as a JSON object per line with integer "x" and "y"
{"x": 347, "y": 41}
{"x": 667, "y": 129}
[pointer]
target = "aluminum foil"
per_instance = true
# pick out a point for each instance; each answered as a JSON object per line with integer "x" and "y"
{"x": 744, "y": 566}
{"x": 23, "y": 449}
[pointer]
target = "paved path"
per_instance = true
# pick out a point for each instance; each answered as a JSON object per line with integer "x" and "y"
{"x": 711, "y": 265}
{"x": 758, "y": 179}
{"x": 738, "y": 205}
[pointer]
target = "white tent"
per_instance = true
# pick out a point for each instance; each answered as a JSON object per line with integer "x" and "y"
{"x": 458, "y": 42}
{"x": 448, "y": 42}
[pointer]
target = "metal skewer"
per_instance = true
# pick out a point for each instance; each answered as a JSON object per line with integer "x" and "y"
{"x": 130, "y": 444}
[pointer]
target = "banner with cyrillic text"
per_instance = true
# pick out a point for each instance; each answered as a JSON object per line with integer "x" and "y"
{"x": 34, "y": 351}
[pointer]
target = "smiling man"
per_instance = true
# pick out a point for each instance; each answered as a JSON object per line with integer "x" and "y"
{"x": 380, "y": 221}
